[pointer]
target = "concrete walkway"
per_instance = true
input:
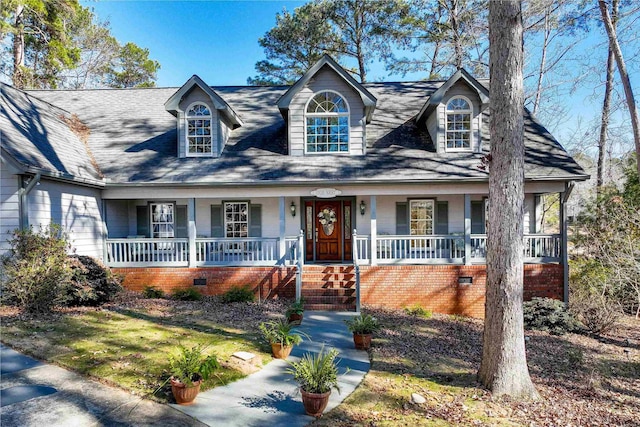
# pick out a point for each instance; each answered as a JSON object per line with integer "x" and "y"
{"x": 37, "y": 394}
{"x": 270, "y": 396}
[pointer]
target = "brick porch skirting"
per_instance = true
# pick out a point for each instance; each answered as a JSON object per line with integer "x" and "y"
{"x": 440, "y": 288}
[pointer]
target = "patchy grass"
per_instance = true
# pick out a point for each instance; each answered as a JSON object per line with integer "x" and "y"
{"x": 582, "y": 380}
{"x": 126, "y": 343}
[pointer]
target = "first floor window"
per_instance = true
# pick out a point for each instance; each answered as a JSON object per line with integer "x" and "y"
{"x": 236, "y": 219}
{"x": 421, "y": 219}
{"x": 162, "y": 220}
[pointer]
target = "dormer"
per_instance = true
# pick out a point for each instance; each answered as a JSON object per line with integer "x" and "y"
{"x": 204, "y": 119}
{"x": 453, "y": 114}
{"x": 326, "y": 112}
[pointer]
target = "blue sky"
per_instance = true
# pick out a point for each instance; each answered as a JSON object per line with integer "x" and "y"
{"x": 218, "y": 40}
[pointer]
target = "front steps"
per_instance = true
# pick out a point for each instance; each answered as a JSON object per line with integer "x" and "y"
{"x": 329, "y": 287}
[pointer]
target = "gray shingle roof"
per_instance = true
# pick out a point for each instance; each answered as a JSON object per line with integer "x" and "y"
{"x": 35, "y": 135}
{"x": 134, "y": 141}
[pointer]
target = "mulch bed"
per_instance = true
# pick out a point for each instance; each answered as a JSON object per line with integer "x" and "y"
{"x": 582, "y": 380}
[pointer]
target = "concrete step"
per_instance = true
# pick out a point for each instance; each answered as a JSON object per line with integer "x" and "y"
{"x": 327, "y": 276}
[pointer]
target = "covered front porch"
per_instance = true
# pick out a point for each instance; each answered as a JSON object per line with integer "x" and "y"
{"x": 325, "y": 227}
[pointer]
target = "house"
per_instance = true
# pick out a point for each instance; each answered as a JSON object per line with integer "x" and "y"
{"x": 344, "y": 193}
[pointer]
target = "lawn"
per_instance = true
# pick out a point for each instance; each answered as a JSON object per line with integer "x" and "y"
{"x": 127, "y": 342}
{"x": 583, "y": 381}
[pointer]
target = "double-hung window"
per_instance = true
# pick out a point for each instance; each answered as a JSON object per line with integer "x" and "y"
{"x": 327, "y": 123}
{"x": 236, "y": 219}
{"x": 162, "y": 220}
{"x": 458, "y": 127}
{"x": 199, "y": 139}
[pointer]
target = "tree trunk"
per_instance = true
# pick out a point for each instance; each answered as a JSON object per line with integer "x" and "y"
{"x": 503, "y": 369}
{"x": 18, "y": 48}
{"x": 455, "y": 33}
{"x": 606, "y": 105}
{"x": 624, "y": 77}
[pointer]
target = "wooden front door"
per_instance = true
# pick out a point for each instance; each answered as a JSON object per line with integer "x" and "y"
{"x": 329, "y": 230}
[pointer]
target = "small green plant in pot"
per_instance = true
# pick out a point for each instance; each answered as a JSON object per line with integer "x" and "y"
{"x": 188, "y": 369}
{"x": 279, "y": 333}
{"x": 362, "y": 327}
{"x": 317, "y": 374}
{"x": 295, "y": 312}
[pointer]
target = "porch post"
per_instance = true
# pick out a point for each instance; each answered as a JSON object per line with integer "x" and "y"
{"x": 467, "y": 229}
{"x": 282, "y": 249}
{"x": 105, "y": 232}
{"x": 191, "y": 213}
{"x": 563, "y": 230}
{"x": 537, "y": 208}
{"x": 374, "y": 231}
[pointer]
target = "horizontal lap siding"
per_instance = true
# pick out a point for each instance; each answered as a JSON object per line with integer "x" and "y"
{"x": 326, "y": 79}
{"x": 9, "y": 206}
{"x": 77, "y": 209}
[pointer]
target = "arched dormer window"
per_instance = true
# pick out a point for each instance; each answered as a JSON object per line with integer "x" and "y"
{"x": 458, "y": 128}
{"x": 327, "y": 118}
{"x": 199, "y": 141}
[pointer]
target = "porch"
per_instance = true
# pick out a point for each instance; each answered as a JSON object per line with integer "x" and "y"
{"x": 454, "y": 249}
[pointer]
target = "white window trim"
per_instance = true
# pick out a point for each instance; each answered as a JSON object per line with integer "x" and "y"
{"x": 224, "y": 217}
{"x": 151, "y": 221}
{"x": 432, "y": 202}
{"x": 347, "y": 115}
{"x": 186, "y": 130}
{"x": 471, "y": 120}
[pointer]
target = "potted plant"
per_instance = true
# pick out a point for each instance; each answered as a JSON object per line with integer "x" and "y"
{"x": 188, "y": 369}
{"x": 362, "y": 326}
{"x": 295, "y": 312}
{"x": 317, "y": 374}
{"x": 279, "y": 333}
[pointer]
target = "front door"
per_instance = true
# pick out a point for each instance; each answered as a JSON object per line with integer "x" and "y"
{"x": 329, "y": 229}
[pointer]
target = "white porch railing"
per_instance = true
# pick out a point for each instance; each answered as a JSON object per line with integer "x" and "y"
{"x": 246, "y": 251}
{"x": 145, "y": 252}
{"x": 446, "y": 249}
{"x": 363, "y": 248}
{"x": 537, "y": 248}
{"x": 291, "y": 250}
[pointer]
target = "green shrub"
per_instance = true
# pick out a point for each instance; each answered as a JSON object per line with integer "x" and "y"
{"x": 547, "y": 314}
{"x": 152, "y": 292}
{"x": 92, "y": 283}
{"x": 188, "y": 294}
{"x": 418, "y": 311}
{"x": 280, "y": 332}
{"x": 238, "y": 294}
{"x": 36, "y": 269}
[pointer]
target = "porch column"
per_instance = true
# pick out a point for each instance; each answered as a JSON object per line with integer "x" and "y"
{"x": 374, "y": 231}
{"x": 467, "y": 229}
{"x": 282, "y": 248}
{"x": 105, "y": 231}
{"x": 537, "y": 209}
{"x": 191, "y": 213}
{"x": 564, "y": 196}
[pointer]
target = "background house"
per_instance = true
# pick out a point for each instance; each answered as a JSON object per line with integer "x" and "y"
{"x": 338, "y": 191}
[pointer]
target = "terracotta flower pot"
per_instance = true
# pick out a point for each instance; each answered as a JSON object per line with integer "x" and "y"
{"x": 362, "y": 341}
{"x": 295, "y": 319}
{"x": 185, "y": 395}
{"x": 315, "y": 403}
{"x": 281, "y": 351}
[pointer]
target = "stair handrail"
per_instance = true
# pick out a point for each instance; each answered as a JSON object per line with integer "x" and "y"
{"x": 356, "y": 266}
{"x": 299, "y": 264}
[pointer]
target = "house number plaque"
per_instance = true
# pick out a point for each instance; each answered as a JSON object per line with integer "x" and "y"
{"x": 326, "y": 193}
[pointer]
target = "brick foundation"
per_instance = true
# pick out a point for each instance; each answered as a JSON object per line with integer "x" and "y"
{"x": 268, "y": 282}
{"x": 434, "y": 287}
